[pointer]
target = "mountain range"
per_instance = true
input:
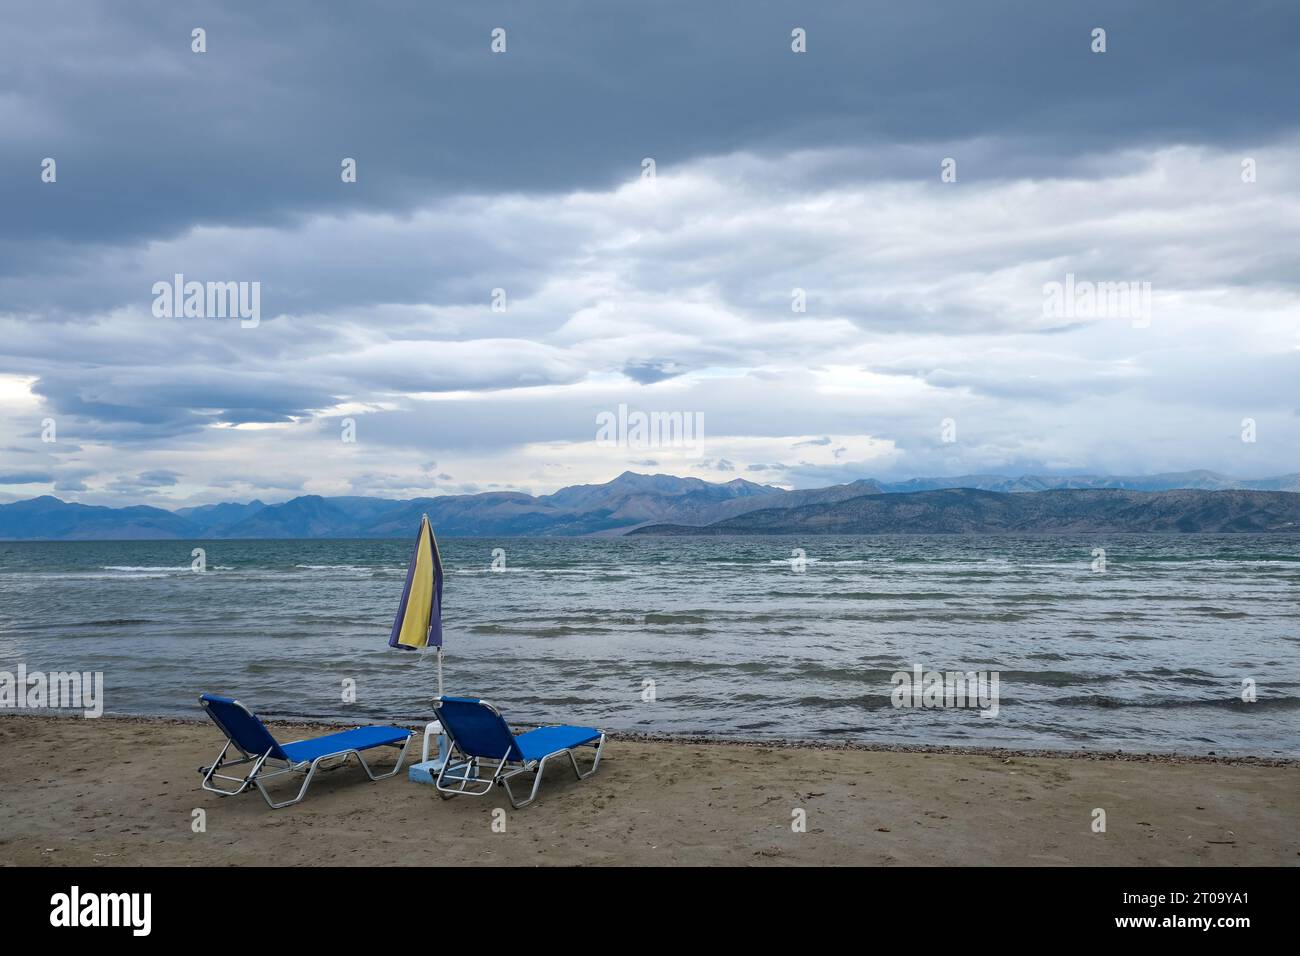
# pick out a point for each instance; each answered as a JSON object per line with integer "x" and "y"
{"x": 677, "y": 505}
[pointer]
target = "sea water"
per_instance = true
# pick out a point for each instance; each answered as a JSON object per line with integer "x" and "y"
{"x": 730, "y": 637}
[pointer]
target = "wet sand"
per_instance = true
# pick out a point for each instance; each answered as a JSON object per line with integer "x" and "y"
{"x": 120, "y": 791}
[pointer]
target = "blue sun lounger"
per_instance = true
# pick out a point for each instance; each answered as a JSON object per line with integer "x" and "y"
{"x": 478, "y": 734}
{"x": 246, "y": 733}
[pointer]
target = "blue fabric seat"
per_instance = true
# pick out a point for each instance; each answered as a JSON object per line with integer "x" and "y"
{"x": 363, "y": 738}
{"x": 245, "y": 732}
{"x": 536, "y": 744}
{"x": 480, "y": 735}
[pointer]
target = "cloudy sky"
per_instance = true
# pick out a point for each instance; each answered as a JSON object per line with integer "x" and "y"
{"x": 524, "y": 171}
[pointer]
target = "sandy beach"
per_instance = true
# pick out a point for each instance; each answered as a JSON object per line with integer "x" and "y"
{"x": 119, "y": 791}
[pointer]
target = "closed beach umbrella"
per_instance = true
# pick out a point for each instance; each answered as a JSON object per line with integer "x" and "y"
{"x": 419, "y": 617}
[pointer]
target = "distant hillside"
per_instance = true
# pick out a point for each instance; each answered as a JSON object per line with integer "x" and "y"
{"x": 964, "y": 510}
{"x": 48, "y": 518}
{"x": 208, "y": 517}
{"x": 1200, "y": 480}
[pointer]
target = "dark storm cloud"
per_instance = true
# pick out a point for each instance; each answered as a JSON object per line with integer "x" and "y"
{"x": 647, "y": 373}
{"x": 152, "y": 138}
{"x": 158, "y": 478}
{"x": 25, "y": 477}
{"x": 145, "y": 483}
{"x": 150, "y": 404}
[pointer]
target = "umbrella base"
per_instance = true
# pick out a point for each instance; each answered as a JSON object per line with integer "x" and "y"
{"x": 426, "y": 771}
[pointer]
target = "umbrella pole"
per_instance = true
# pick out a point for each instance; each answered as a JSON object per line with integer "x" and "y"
{"x": 439, "y": 670}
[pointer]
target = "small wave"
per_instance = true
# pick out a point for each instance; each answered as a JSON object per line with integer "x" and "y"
{"x": 892, "y": 595}
{"x": 1051, "y": 678}
{"x": 109, "y": 575}
{"x": 138, "y": 567}
{"x": 678, "y": 618}
{"x": 584, "y": 572}
{"x": 113, "y": 622}
{"x": 1106, "y": 702}
{"x": 564, "y": 631}
{"x": 1219, "y": 612}
{"x": 529, "y": 630}
{"x": 336, "y": 567}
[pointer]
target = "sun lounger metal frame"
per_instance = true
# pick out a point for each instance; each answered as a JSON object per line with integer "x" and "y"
{"x": 275, "y": 756}
{"x": 464, "y": 768}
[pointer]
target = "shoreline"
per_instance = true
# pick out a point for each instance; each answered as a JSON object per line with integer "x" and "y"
{"x": 783, "y": 743}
